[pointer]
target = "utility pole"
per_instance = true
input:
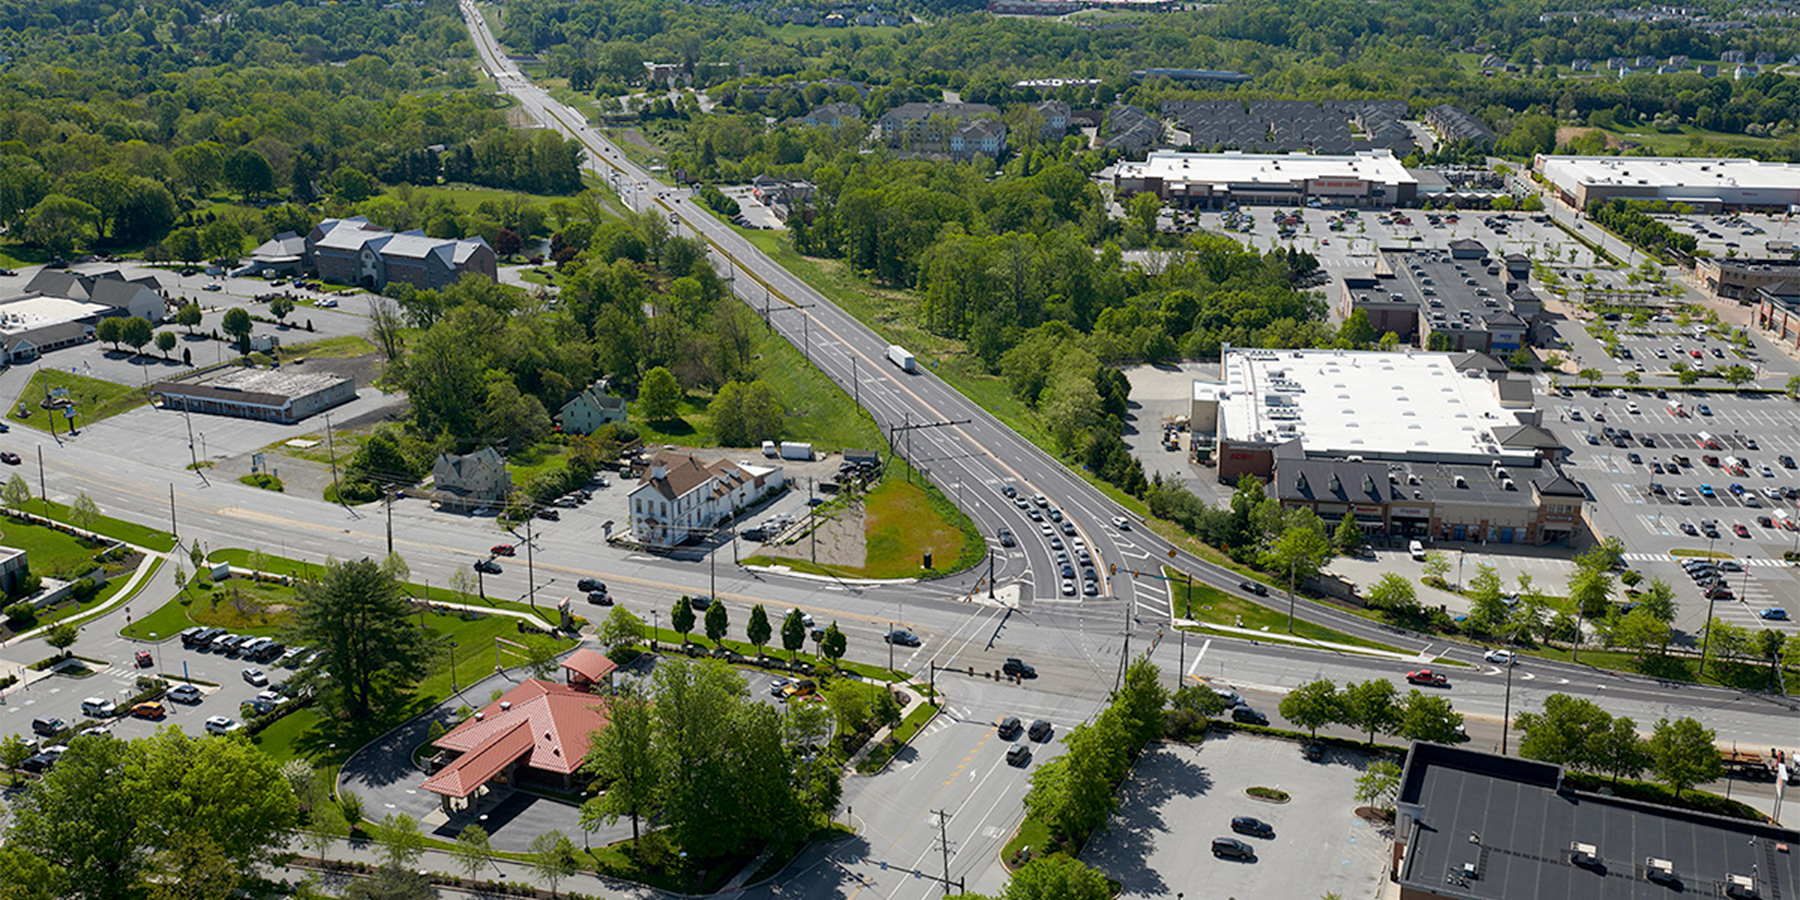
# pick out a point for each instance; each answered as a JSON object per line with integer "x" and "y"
{"x": 890, "y": 643}
{"x": 990, "y": 578}
{"x": 331, "y": 446}
{"x": 43, "y": 493}
{"x": 1506, "y": 716}
{"x": 812, "y": 513}
{"x": 388, "y": 498}
{"x": 530, "y": 571}
{"x": 944, "y": 843}
{"x": 172, "y": 508}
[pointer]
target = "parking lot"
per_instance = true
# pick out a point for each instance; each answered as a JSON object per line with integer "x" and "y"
{"x": 218, "y": 676}
{"x": 1745, "y": 234}
{"x": 1179, "y": 797}
{"x": 1735, "y": 495}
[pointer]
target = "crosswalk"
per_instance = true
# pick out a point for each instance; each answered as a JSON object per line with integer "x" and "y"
{"x": 1666, "y": 557}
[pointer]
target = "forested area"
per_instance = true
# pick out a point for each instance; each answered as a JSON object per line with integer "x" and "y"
{"x": 119, "y": 123}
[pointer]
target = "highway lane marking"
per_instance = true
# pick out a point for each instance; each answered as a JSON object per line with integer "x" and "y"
{"x": 1201, "y": 654}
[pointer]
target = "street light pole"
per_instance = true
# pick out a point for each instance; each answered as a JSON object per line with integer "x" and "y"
{"x": 1706, "y": 637}
{"x": 1506, "y": 717}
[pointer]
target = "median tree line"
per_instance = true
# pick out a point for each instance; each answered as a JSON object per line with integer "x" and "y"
{"x": 1075, "y": 793}
{"x": 1579, "y": 735}
{"x": 1373, "y": 707}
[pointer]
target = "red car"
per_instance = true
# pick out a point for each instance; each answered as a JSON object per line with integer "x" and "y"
{"x": 501, "y": 550}
{"x": 1428, "y": 677}
{"x": 143, "y": 659}
{"x": 1740, "y": 530}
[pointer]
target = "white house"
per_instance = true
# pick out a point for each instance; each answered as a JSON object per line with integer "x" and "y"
{"x": 591, "y": 409}
{"x": 681, "y": 498}
{"x": 472, "y": 480}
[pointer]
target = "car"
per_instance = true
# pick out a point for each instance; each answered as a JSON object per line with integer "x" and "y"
{"x": 590, "y": 585}
{"x": 1068, "y": 587}
{"x": 1787, "y": 462}
{"x": 143, "y": 659}
{"x": 1007, "y": 539}
{"x": 149, "y": 709}
{"x": 700, "y": 603}
{"x": 805, "y": 617}
{"x": 10, "y": 458}
{"x": 1632, "y": 407}
{"x": 328, "y": 303}
{"x": 1046, "y": 530}
{"x": 1428, "y": 678}
{"x": 1121, "y": 523}
{"x": 1312, "y": 751}
{"x": 1008, "y": 728}
{"x": 215, "y": 287}
{"x": 600, "y": 598}
{"x": 1719, "y": 592}
{"x": 803, "y": 687}
{"x": 1751, "y": 444}
{"x": 1739, "y": 530}
{"x": 184, "y": 693}
{"x": 1056, "y": 542}
{"x": 779, "y": 684}
{"x": 902, "y": 637}
{"x": 1034, "y": 514}
{"x": 1706, "y": 490}
{"x": 487, "y": 567}
{"x": 98, "y": 708}
{"x": 222, "y": 725}
{"x": 1068, "y": 571}
{"x": 1774, "y": 613}
{"x": 1022, "y": 503}
{"x": 549, "y": 515}
{"x": 1018, "y": 755}
{"x": 1040, "y": 500}
{"x": 1232, "y": 848}
{"x": 1010, "y": 491}
{"x": 1765, "y": 521}
{"x": 1635, "y": 459}
{"x": 1502, "y": 657}
{"x": 1254, "y": 587}
{"x": 255, "y": 677}
{"x": 1018, "y": 668}
{"x": 1090, "y": 587}
{"x": 1055, "y": 514}
{"x": 1681, "y": 497}
{"x": 38, "y": 763}
{"x": 502, "y": 550}
{"x": 1702, "y": 408}
{"x": 1068, "y": 527}
{"x": 1248, "y": 716}
{"x": 1040, "y": 730}
{"x": 1576, "y": 416}
{"x": 1766, "y": 471}
{"x": 1252, "y": 826}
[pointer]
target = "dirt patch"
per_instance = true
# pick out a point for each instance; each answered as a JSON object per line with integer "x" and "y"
{"x": 1567, "y": 133}
{"x": 1376, "y": 816}
{"x": 636, "y": 138}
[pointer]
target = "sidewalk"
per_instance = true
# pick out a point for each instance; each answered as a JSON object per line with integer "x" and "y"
{"x": 445, "y": 864}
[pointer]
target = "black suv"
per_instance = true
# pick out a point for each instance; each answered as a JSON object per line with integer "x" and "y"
{"x": 591, "y": 585}
{"x": 1252, "y": 826}
{"x": 487, "y": 567}
{"x": 1018, "y": 667}
{"x": 1039, "y": 730}
{"x": 1008, "y": 728}
{"x": 1232, "y": 848}
{"x": 1248, "y": 716}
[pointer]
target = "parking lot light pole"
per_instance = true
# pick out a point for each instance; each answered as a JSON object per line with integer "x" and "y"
{"x": 1706, "y": 637}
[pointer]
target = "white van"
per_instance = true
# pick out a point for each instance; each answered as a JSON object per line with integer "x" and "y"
{"x": 1416, "y": 549}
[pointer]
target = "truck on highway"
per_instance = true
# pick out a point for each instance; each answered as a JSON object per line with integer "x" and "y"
{"x": 899, "y": 356}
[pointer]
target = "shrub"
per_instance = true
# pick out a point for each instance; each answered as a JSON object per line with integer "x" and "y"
{"x": 85, "y": 588}
{"x": 19, "y": 612}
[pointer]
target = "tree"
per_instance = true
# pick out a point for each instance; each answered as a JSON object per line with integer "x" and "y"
{"x": 136, "y": 332}
{"x": 624, "y": 751}
{"x": 1429, "y": 717}
{"x": 758, "y": 631}
{"x": 192, "y": 868}
{"x": 1301, "y": 551}
{"x": 62, "y": 636}
{"x": 621, "y": 628}
{"x": 1379, "y": 784}
{"x": 1589, "y": 375}
{"x": 1683, "y": 753}
{"x": 659, "y": 395}
{"x": 1769, "y": 644}
{"x": 188, "y": 315}
{"x": 16, "y": 493}
{"x": 390, "y": 883}
{"x": 681, "y": 618}
{"x": 553, "y": 857}
{"x": 84, "y": 512}
{"x": 248, "y": 173}
{"x": 165, "y": 341}
{"x": 1057, "y": 877}
{"x": 14, "y": 751}
{"x": 793, "y": 631}
{"x": 1487, "y": 611}
{"x": 110, "y": 330}
{"x": 281, "y": 308}
{"x": 1141, "y": 700}
{"x": 402, "y": 844}
{"x": 1739, "y": 375}
{"x": 1311, "y": 705}
{"x": 1567, "y": 732}
{"x": 1639, "y": 631}
{"x": 351, "y": 185}
{"x": 1793, "y": 387}
{"x": 473, "y": 850}
{"x": 1348, "y": 538}
{"x": 832, "y": 645}
{"x": 717, "y": 621}
{"x": 58, "y": 223}
{"x": 237, "y": 324}
{"x": 386, "y": 326}
{"x": 1436, "y": 566}
{"x": 1392, "y": 593}
{"x": 1370, "y": 706}
{"x": 1619, "y": 751}
{"x": 361, "y": 624}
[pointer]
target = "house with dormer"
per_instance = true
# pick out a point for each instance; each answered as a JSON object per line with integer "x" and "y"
{"x": 679, "y": 498}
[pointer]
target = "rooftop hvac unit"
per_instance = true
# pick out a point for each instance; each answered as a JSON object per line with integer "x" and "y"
{"x": 1659, "y": 870}
{"x": 1740, "y": 886}
{"x": 1584, "y": 854}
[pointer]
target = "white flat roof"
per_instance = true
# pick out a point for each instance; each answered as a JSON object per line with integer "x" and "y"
{"x": 1691, "y": 175}
{"x": 28, "y": 313}
{"x": 1353, "y": 402}
{"x": 1233, "y": 167}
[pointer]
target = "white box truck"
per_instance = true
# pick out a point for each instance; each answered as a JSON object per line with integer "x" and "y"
{"x": 796, "y": 450}
{"x": 899, "y": 356}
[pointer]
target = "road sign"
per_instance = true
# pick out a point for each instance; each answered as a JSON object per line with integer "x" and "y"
{"x": 69, "y": 412}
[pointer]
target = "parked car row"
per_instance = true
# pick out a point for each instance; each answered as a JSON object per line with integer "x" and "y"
{"x": 239, "y": 646}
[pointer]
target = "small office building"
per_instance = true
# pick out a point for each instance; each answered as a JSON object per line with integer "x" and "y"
{"x": 272, "y": 395}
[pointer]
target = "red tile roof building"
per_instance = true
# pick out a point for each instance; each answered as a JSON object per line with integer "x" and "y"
{"x": 540, "y": 727}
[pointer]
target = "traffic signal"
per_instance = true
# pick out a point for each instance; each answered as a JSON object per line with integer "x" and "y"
{"x": 1112, "y": 568}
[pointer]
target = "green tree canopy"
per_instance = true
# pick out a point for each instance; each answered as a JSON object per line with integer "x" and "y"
{"x": 362, "y": 626}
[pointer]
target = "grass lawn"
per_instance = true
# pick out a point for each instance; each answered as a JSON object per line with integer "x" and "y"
{"x": 166, "y": 621}
{"x": 329, "y": 742}
{"x": 94, "y": 398}
{"x": 921, "y": 715}
{"x": 1209, "y": 604}
{"x": 328, "y": 348}
{"x": 1032, "y": 833}
{"x": 818, "y": 411}
{"x": 534, "y": 459}
{"x": 118, "y": 529}
{"x": 901, "y": 523}
{"x": 278, "y": 565}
